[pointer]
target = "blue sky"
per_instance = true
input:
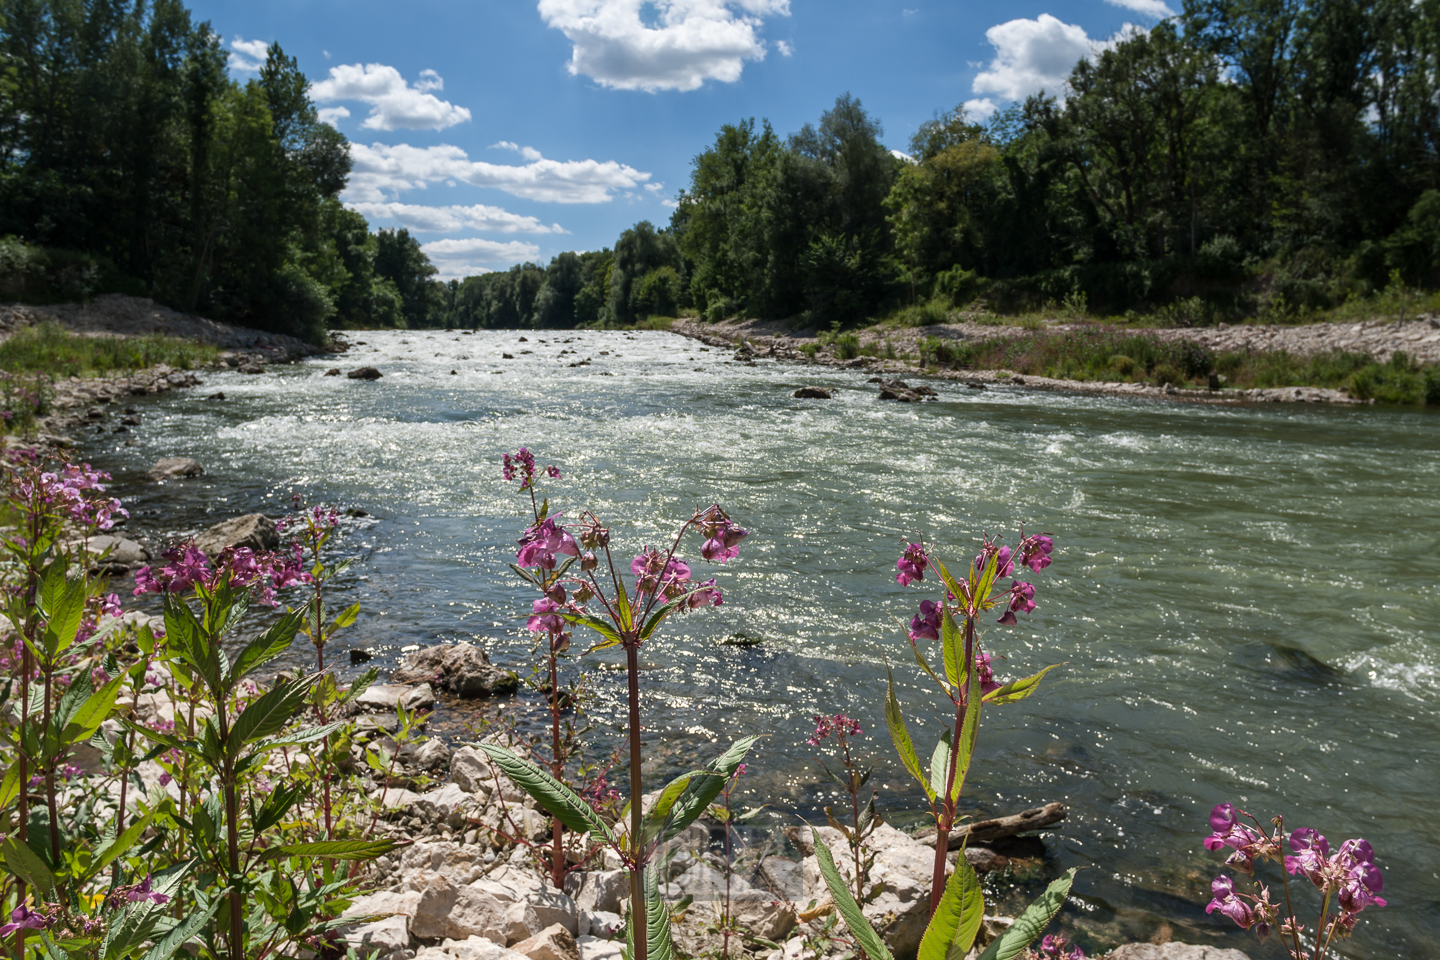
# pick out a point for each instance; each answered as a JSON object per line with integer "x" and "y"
{"x": 500, "y": 131}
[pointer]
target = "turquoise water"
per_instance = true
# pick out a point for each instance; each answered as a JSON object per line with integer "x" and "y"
{"x": 1245, "y": 598}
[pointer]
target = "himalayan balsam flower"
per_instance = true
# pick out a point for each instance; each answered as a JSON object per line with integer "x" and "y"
{"x": 925, "y": 625}
{"x": 1225, "y": 900}
{"x": 1022, "y": 600}
{"x": 1056, "y": 947}
{"x": 1004, "y": 566}
{"x": 1035, "y": 551}
{"x": 543, "y": 542}
{"x": 722, "y": 537}
{"x": 912, "y": 564}
{"x": 23, "y": 918}
{"x": 838, "y": 726}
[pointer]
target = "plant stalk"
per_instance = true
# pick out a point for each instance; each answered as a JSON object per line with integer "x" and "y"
{"x": 638, "y": 921}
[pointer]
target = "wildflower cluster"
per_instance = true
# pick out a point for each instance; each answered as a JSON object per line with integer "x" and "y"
{"x": 1349, "y": 878}
{"x": 522, "y": 464}
{"x": 71, "y": 491}
{"x": 237, "y": 567}
{"x": 838, "y": 726}
{"x": 1055, "y": 947}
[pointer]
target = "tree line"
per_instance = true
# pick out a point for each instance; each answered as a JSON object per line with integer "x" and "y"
{"x": 1245, "y": 157}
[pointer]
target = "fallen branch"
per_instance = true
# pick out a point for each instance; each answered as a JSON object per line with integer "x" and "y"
{"x": 988, "y": 831}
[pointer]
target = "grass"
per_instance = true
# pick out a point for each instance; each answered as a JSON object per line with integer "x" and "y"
{"x": 1116, "y": 355}
{"x": 47, "y": 348}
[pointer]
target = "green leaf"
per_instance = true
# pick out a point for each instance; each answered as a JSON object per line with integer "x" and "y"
{"x": 845, "y": 904}
{"x": 332, "y": 849}
{"x": 267, "y": 646}
{"x": 359, "y": 685}
{"x": 957, "y": 919}
{"x": 952, "y": 644}
{"x": 900, "y": 736}
{"x": 268, "y": 715}
{"x": 969, "y": 730}
{"x": 1018, "y": 689}
{"x": 186, "y": 638}
{"x": 346, "y": 618}
{"x": 665, "y": 610}
{"x": 659, "y": 812}
{"x": 940, "y": 764}
{"x": 25, "y": 864}
{"x": 276, "y": 805}
{"x": 703, "y": 789}
{"x": 87, "y": 719}
{"x": 10, "y": 786}
{"x": 949, "y": 581}
{"x": 194, "y": 922}
{"x": 106, "y": 854}
{"x": 611, "y": 637}
{"x": 1032, "y": 922}
{"x": 63, "y": 612}
{"x": 560, "y": 801}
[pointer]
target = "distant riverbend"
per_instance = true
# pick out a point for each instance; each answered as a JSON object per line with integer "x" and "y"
{"x": 1245, "y": 597}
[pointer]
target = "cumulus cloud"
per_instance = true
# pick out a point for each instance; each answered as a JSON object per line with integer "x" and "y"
{"x": 248, "y": 56}
{"x": 687, "y": 42}
{"x": 1032, "y": 55}
{"x": 332, "y": 115}
{"x": 382, "y": 171}
{"x": 786, "y": 48}
{"x": 465, "y": 258}
{"x": 423, "y": 219}
{"x": 1150, "y": 8}
{"x": 981, "y": 107}
{"x": 394, "y": 104}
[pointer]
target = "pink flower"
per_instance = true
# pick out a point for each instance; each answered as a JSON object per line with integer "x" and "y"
{"x": 912, "y": 564}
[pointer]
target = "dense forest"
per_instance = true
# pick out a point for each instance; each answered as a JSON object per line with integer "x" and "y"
{"x": 1248, "y": 157}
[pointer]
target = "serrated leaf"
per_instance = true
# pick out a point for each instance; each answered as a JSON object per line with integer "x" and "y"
{"x": 845, "y": 904}
{"x": 969, "y": 731}
{"x": 940, "y": 764}
{"x": 346, "y": 618}
{"x": 607, "y": 631}
{"x": 952, "y": 645}
{"x": 268, "y": 645}
{"x": 1018, "y": 689}
{"x": 560, "y": 801}
{"x": 117, "y": 846}
{"x": 703, "y": 789}
{"x": 194, "y": 922}
{"x": 90, "y": 714}
{"x": 268, "y": 715}
{"x": 332, "y": 849}
{"x": 956, "y": 920}
{"x": 25, "y": 864}
{"x": 1032, "y": 922}
{"x": 900, "y": 736}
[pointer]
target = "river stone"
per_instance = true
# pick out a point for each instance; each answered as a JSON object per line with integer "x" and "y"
{"x": 470, "y": 769}
{"x": 364, "y": 373}
{"x": 1174, "y": 951}
{"x": 378, "y": 938}
{"x": 598, "y": 890}
{"x": 383, "y": 904}
{"x": 254, "y": 530}
{"x": 387, "y": 696}
{"x": 593, "y": 948}
{"x": 904, "y": 865}
{"x": 811, "y": 393}
{"x": 124, "y": 554}
{"x": 480, "y": 909}
{"x": 333, "y": 372}
{"x": 173, "y": 468}
{"x": 477, "y": 948}
{"x": 460, "y": 669}
{"x": 552, "y": 943}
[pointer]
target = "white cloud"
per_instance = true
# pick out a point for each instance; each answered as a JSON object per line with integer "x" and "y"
{"x": 786, "y": 48}
{"x": 332, "y": 115}
{"x": 902, "y": 155}
{"x": 465, "y": 258}
{"x": 1150, "y": 8}
{"x": 529, "y": 153}
{"x": 1039, "y": 54}
{"x": 382, "y": 171}
{"x": 424, "y": 219}
{"x": 393, "y": 102}
{"x": 690, "y": 41}
{"x": 1032, "y": 55}
{"x": 248, "y": 56}
{"x": 981, "y": 107}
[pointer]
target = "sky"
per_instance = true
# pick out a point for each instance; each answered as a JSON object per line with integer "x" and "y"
{"x": 503, "y": 131}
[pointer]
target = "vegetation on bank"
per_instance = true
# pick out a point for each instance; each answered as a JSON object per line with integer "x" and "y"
{"x": 48, "y": 348}
{"x": 1111, "y": 355}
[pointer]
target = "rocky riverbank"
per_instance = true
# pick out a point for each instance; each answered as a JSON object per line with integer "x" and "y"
{"x": 1418, "y": 338}
{"x": 81, "y": 403}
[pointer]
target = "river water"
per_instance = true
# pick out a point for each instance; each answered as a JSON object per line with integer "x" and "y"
{"x": 1245, "y": 598}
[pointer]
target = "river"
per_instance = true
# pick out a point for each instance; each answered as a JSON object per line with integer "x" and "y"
{"x": 1244, "y": 598}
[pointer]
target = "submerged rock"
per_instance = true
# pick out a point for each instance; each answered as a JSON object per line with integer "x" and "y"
{"x": 812, "y": 393}
{"x": 1174, "y": 951}
{"x": 364, "y": 373}
{"x": 460, "y": 669}
{"x": 174, "y": 468}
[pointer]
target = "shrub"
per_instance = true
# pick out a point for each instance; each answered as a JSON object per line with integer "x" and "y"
{"x": 847, "y": 346}
{"x": 927, "y": 314}
{"x": 1122, "y": 364}
{"x": 1167, "y": 373}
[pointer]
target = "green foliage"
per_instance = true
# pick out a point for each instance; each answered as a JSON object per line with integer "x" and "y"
{"x": 847, "y": 346}
{"x": 49, "y": 348}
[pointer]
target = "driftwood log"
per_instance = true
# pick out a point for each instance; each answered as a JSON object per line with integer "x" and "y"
{"x": 988, "y": 831}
